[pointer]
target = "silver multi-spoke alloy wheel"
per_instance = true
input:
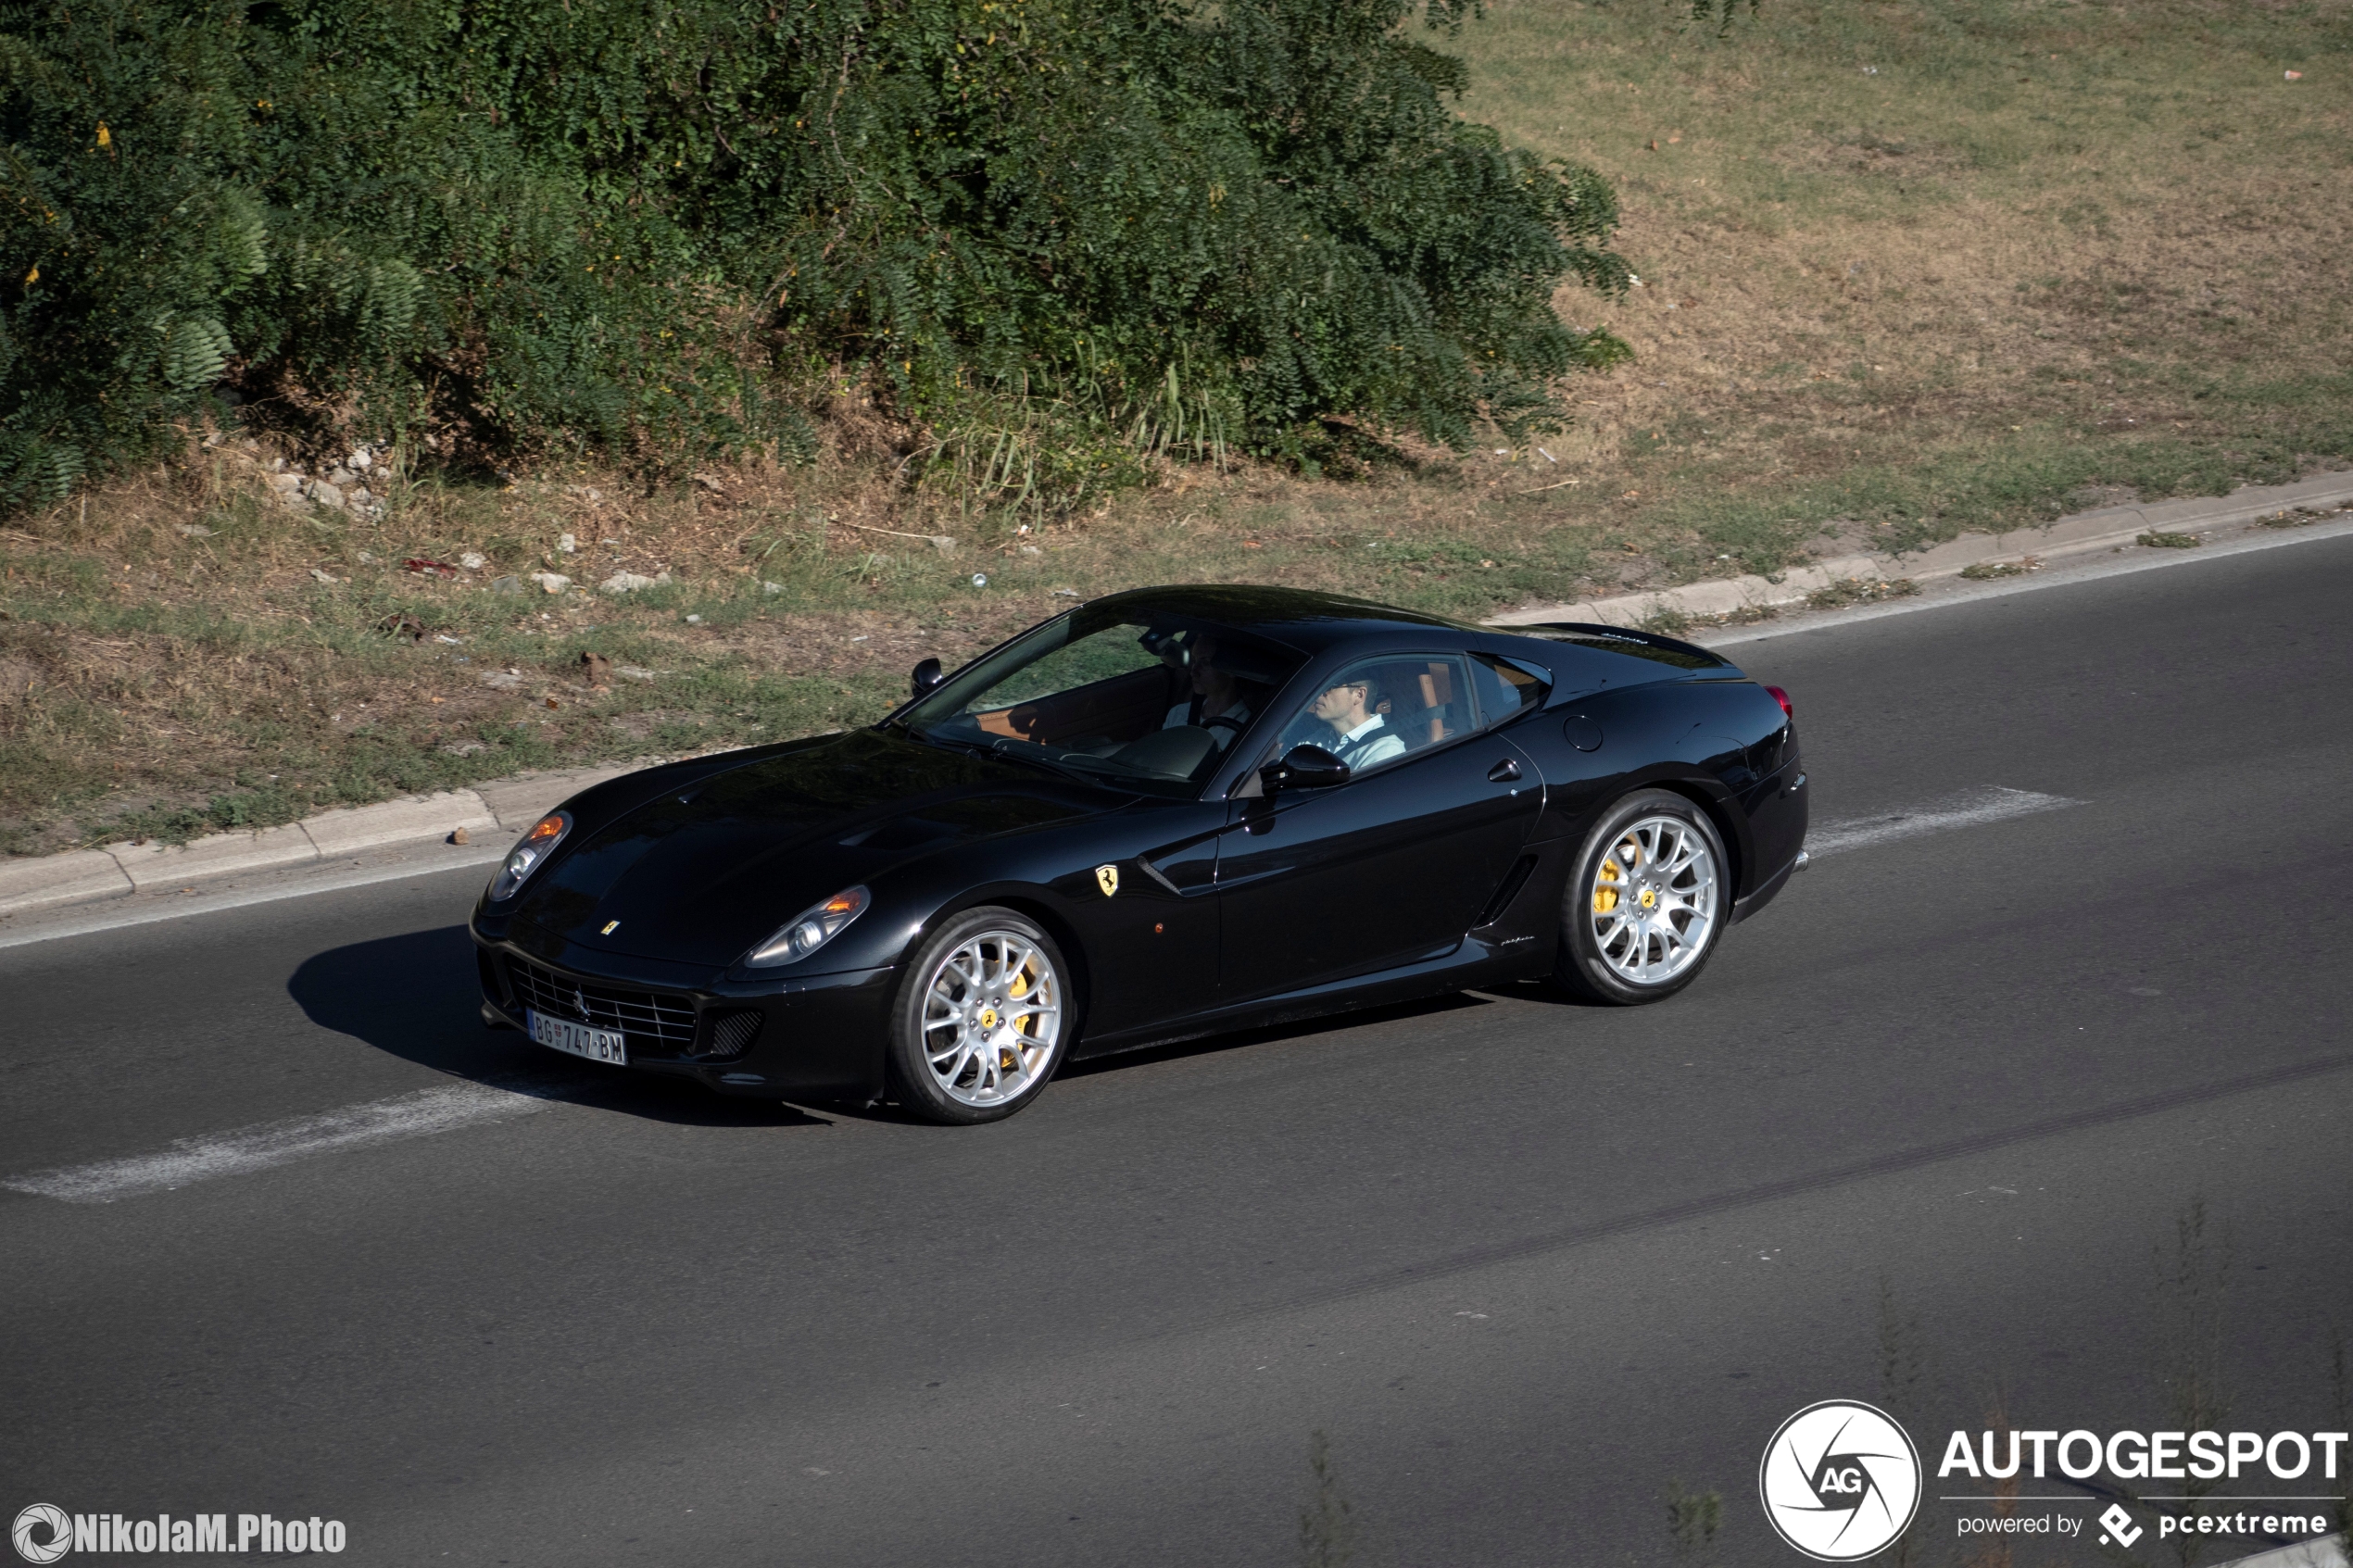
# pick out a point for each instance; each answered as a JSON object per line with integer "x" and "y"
{"x": 992, "y": 1013}
{"x": 1654, "y": 899}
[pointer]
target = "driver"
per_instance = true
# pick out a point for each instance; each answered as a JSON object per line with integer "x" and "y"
{"x": 1217, "y": 704}
{"x": 1364, "y": 737}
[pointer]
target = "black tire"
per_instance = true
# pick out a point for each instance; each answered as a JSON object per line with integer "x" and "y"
{"x": 1582, "y": 967}
{"x": 919, "y": 1034}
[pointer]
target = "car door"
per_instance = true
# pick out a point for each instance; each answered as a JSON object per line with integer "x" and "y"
{"x": 1391, "y": 867}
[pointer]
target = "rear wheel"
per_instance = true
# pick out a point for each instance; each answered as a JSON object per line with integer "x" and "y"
{"x": 1645, "y": 903}
{"x": 981, "y": 1021}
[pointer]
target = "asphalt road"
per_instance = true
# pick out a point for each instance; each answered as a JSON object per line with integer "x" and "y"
{"x": 1522, "y": 1263}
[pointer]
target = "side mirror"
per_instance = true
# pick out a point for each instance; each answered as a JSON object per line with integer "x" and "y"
{"x": 928, "y": 676}
{"x": 1304, "y": 767}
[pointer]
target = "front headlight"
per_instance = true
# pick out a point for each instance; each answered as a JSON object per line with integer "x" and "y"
{"x": 809, "y": 930}
{"x": 534, "y": 846}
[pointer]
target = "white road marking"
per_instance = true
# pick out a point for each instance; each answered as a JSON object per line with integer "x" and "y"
{"x": 1965, "y": 810}
{"x": 416, "y": 1115}
{"x": 450, "y": 1106}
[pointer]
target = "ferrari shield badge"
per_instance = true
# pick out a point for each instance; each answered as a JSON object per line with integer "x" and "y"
{"x": 1107, "y": 878}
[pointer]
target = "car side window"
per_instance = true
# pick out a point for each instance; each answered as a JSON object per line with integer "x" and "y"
{"x": 1504, "y": 688}
{"x": 1381, "y": 710}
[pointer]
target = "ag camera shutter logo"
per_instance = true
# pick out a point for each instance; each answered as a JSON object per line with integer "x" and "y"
{"x": 1840, "y": 1481}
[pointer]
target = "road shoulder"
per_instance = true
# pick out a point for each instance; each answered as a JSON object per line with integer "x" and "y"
{"x": 2163, "y": 528}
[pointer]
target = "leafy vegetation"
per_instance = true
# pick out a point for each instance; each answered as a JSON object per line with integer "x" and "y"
{"x": 1909, "y": 268}
{"x": 1066, "y": 231}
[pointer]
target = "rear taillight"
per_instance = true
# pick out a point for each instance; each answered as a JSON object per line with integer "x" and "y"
{"x": 1782, "y": 697}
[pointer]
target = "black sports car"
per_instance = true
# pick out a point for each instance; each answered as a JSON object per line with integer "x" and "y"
{"x": 1161, "y": 814}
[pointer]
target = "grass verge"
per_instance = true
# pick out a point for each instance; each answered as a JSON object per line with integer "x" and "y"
{"x": 1909, "y": 269}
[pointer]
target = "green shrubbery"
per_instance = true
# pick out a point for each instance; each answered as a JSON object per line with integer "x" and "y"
{"x": 1057, "y": 230}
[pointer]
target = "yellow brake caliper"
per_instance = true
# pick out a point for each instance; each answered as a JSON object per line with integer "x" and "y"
{"x": 1605, "y": 897}
{"x": 1020, "y": 987}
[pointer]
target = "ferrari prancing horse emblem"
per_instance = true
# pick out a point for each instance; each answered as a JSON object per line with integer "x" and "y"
{"x": 1107, "y": 878}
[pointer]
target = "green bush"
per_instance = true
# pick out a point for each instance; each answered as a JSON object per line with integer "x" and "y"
{"x": 656, "y": 229}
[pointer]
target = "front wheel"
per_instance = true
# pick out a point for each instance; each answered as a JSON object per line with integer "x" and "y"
{"x": 1646, "y": 902}
{"x": 981, "y": 1020}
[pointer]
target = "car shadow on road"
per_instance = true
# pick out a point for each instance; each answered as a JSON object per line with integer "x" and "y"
{"x": 1301, "y": 1029}
{"x": 415, "y": 996}
{"x": 1543, "y": 992}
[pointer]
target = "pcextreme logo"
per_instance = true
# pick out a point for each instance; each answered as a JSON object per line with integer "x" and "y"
{"x": 1840, "y": 1480}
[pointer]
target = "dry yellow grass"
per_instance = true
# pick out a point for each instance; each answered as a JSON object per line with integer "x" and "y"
{"x": 1908, "y": 234}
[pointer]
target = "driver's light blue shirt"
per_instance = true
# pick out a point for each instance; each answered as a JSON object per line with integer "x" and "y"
{"x": 1370, "y": 742}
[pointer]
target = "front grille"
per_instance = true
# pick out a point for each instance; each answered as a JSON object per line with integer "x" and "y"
{"x": 664, "y": 1023}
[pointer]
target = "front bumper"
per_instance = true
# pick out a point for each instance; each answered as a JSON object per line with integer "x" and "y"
{"x": 816, "y": 1037}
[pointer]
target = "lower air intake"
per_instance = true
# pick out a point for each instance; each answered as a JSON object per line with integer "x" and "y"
{"x": 730, "y": 1034}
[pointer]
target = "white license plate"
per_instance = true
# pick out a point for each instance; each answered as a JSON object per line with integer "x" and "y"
{"x": 578, "y": 1039}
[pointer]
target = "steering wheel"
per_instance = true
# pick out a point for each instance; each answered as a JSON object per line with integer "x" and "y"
{"x": 1227, "y": 720}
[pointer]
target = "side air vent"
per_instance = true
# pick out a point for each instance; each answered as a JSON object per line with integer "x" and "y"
{"x": 1513, "y": 882}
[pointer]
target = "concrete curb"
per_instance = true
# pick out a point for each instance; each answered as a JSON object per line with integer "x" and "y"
{"x": 507, "y": 806}
{"x": 2105, "y": 529}
{"x": 91, "y": 875}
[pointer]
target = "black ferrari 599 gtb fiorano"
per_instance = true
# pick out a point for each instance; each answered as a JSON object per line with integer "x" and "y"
{"x": 1161, "y": 814}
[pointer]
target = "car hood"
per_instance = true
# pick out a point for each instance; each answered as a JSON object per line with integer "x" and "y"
{"x": 701, "y": 872}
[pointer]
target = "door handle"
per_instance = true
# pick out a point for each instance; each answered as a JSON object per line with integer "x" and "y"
{"x": 1505, "y": 771}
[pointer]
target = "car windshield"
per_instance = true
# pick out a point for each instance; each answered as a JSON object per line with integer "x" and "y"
{"x": 1143, "y": 702}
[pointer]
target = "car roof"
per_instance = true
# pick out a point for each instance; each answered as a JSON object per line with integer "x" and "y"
{"x": 1313, "y": 623}
{"x": 1300, "y": 618}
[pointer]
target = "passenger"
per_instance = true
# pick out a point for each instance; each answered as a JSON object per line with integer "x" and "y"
{"x": 1364, "y": 737}
{"x": 1218, "y": 703}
